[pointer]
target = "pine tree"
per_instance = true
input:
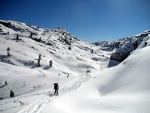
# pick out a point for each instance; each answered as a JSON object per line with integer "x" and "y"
{"x": 6, "y": 83}
{"x": 11, "y": 94}
{"x": 17, "y": 37}
{"x": 92, "y": 51}
{"x": 69, "y": 47}
{"x": 31, "y": 35}
{"x": 145, "y": 44}
{"x": 39, "y": 60}
{"x": 50, "y": 63}
{"x": 8, "y": 49}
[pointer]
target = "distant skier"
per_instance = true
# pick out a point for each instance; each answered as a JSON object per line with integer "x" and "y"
{"x": 56, "y": 87}
{"x": 11, "y": 94}
{"x": 67, "y": 75}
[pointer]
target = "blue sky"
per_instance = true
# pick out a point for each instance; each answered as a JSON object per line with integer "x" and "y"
{"x": 90, "y": 20}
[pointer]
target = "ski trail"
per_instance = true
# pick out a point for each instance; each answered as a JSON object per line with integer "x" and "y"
{"x": 39, "y": 104}
{"x": 77, "y": 84}
{"x": 36, "y": 106}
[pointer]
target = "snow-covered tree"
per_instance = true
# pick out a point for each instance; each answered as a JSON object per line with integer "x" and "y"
{"x": 39, "y": 60}
{"x": 17, "y": 37}
{"x": 50, "y": 63}
{"x": 8, "y": 49}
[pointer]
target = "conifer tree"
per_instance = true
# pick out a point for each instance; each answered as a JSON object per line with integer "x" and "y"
{"x": 31, "y": 35}
{"x": 11, "y": 94}
{"x": 17, "y": 37}
{"x": 39, "y": 60}
{"x": 8, "y": 49}
{"x": 92, "y": 51}
{"x": 50, "y": 63}
{"x": 69, "y": 47}
{"x": 6, "y": 83}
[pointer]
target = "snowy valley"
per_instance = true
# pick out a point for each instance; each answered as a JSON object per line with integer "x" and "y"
{"x": 101, "y": 77}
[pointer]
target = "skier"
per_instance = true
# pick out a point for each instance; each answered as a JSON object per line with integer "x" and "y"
{"x": 56, "y": 87}
{"x": 68, "y": 76}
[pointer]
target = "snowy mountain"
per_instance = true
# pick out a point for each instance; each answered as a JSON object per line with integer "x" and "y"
{"x": 70, "y": 56}
{"x": 50, "y": 43}
{"x": 122, "y": 48}
{"x": 86, "y": 83}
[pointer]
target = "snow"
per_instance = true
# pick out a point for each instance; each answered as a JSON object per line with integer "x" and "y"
{"x": 93, "y": 85}
{"x": 124, "y": 88}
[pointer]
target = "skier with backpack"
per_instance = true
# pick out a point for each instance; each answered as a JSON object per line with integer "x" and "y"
{"x": 56, "y": 87}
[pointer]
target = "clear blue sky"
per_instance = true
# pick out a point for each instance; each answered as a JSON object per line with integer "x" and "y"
{"x": 90, "y": 20}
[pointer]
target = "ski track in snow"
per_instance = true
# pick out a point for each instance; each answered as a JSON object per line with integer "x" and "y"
{"x": 39, "y": 104}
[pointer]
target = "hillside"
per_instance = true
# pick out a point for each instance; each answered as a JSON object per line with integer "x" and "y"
{"x": 87, "y": 84}
{"x": 70, "y": 56}
{"x": 122, "y": 89}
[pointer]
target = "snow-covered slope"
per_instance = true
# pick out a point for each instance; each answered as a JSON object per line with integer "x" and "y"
{"x": 121, "y": 89}
{"x": 70, "y": 56}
